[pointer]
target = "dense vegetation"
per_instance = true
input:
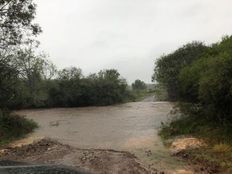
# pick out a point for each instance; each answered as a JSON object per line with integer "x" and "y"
{"x": 199, "y": 78}
{"x": 16, "y": 29}
{"x": 68, "y": 88}
{"x": 200, "y": 75}
{"x": 13, "y": 126}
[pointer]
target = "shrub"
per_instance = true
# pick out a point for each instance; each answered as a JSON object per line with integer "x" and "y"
{"x": 222, "y": 148}
{"x": 13, "y": 126}
{"x": 168, "y": 67}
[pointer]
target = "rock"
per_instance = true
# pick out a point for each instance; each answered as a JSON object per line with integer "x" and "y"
{"x": 148, "y": 153}
{"x": 182, "y": 144}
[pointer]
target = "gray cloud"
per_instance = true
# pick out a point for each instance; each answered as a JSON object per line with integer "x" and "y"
{"x": 126, "y": 34}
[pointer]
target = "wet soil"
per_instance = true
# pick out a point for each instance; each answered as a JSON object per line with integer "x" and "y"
{"x": 99, "y": 161}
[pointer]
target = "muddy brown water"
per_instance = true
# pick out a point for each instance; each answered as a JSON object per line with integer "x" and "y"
{"x": 131, "y": 127}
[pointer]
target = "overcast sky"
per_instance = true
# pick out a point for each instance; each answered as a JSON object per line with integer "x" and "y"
{"x": 127, "y": 35}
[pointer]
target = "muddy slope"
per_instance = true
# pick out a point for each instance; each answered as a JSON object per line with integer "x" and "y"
{"x": 47, "y": 151}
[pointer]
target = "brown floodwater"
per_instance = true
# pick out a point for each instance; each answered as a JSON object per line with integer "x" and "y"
{"x": 132, "y": 127}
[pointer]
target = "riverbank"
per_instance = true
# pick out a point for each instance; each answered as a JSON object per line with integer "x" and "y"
{"x": 100, "y": 161}
{"x": 187, "y": 121}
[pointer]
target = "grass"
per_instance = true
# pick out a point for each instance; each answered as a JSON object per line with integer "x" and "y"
{"x": 13, "y": 127}
{"x": 193, "y": 122}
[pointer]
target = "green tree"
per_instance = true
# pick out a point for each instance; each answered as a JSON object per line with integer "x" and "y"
{"x": 73, "y": 89}
{"x": 168, "y": 67}
{"x": 8, "y": 82}
{"x": 15, "y": 27}
{"x": 34, "y": 70}
{"x": 139, "y": 85}
{"x": 70, "y": 73}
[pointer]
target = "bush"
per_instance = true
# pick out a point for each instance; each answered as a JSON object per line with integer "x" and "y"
{"x": 13, "y": 126}
{"x": 222, "y": 148}
{"x": 104, "y": 88}
{"x": 168, "y": 67}
{"x": 139, "y": 85}
{"x": 200, "y": 75}
{"x": 215, "y": 88}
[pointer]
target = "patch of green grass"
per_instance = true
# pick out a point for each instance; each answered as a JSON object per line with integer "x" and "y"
{"x": 13, "y": 127}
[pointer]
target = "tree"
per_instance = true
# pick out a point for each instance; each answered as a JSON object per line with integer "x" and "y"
{"x": 109, "y": 87}
{"x": 215, "y": 88}
{"x": 208, "y": 81}
{"x": 15, "y": 28}
{"x": 139, "y": 85}
{"x": 70, "y": 73}
{"x": 34, "y": 70}
{"x": 73, "y": 89}
{"x": 16, "y": 22}
{"x": 168, "y": 67}
{"x": 8, "y": 81}
{"x": 201, "y": 76}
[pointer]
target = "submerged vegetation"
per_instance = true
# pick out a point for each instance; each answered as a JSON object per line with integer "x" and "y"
{"x": 198, "y": 78}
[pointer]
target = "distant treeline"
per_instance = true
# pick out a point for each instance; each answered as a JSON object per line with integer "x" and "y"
{"x": 201, "y": 75}
{"x": 29, "y": 80}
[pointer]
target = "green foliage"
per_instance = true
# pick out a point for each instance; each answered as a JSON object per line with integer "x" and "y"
{"x": 13, "y": 126}
{"x": 168, "y": 67}
{"x": 139, "y": 85}
{"x": 16, "y": 29}
{"x": 8, "y": 81}
{"x": 215, "y": 88}
{"x": 193, "y": 122}
{"x": 206, "y": 84}
{"x": 190, "y": 119}
{"x": 34, "y": 82}
{"x": 73, "y": 89}
{"x": 206, "y": 79}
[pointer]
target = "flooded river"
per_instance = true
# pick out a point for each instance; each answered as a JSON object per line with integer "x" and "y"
{"x": 131, "y": 127}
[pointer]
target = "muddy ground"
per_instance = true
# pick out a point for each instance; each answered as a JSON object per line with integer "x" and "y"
{"x": 99, "y": 161}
